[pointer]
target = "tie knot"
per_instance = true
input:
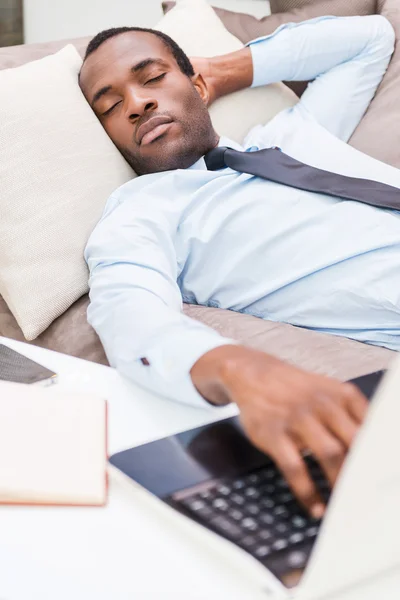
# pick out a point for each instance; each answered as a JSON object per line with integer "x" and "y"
{"x": 215, "y": 159}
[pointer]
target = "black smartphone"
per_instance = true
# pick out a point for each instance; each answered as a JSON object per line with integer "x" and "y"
{"x": 18, "y": 368}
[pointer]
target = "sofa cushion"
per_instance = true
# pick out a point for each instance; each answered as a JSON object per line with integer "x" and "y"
{"x": 330, "y": 355}
{"x": 70, "y": 333}
{"x": 58, "y": 167}
{"x": 368, "y": 6}
{"x": 15, "y": 56}
{"x": 378, "y": 134}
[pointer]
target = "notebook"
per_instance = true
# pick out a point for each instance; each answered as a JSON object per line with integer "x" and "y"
{"x": 52, "y": 447}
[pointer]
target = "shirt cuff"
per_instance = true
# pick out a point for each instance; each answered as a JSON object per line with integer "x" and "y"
{"x": 265, "y": 70}
{"x": 170, "y": 362}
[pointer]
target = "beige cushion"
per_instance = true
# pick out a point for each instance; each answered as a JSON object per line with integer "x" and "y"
{"x": 57, "y": 169}
{"x": 379, "y": 132}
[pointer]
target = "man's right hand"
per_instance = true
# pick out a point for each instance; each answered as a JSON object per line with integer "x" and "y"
{"x": 285, "y": 411}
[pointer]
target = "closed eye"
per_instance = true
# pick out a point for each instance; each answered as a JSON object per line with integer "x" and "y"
{"x": 109, "y": 110}
{"x": 155, "y": 79}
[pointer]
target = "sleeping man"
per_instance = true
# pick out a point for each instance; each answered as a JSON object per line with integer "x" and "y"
{"x": 211, "y": 222}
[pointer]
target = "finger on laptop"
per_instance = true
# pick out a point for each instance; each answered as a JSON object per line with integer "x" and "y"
{"x": 355, "y": 401}
{"x": 291, "y": 463}
{"x": 326, "y": 448}
{"x": 340, "y": 422}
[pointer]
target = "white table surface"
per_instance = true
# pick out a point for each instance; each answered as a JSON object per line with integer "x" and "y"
{"x": 129, "y": 549}
{"x": 135, "y": 548}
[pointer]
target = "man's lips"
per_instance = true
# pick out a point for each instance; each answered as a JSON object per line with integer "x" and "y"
{"x": 151, "y": 129}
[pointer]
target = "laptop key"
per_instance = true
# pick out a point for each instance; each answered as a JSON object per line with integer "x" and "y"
{"x": 299, "y": 522}
{"x": 280, "y": 544}
{"x": 267, "y": 519}
{"x": 249, "y": 523}
{"x": 220, "y": 504}
{"x": 224, "y": 490}
{"x": 194, "y": 504}
{"x": 238, "y": 499}
{"x": 282, "y": 528}
{"x": 297, "y": 559}
{"x": 281, "y": 511}
{"x": 252, "y": 492}
{"x": 262, "y": 551}
{"x": 205, "y": 513}
{"x": 239, "y": 484}
{"x": 265, "y": 534}
{"x": 267, "y": 502}
{"x": 248, "y": 541}
{"x": 227, "y": 527}
{"x": 253, "y": 509}
{"x": 312, "y": 531}
{"x": 235, "y": 514}
{"x": 296, "y": 538}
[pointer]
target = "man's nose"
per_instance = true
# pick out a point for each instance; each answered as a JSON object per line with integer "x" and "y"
{"x": 139, "y": 104}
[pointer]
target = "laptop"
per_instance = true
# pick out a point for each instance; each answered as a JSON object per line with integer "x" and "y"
{"x": 216, "y": 477}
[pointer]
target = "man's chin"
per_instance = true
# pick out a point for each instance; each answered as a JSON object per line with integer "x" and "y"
{"x": 165, "y": 153}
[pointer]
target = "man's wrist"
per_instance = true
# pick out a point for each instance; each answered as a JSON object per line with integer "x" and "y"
{"x": 231, "y": 72}
{"x": 215, "y": 373}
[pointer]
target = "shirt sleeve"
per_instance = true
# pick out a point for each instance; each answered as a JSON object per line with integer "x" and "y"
{"x": 136, "y": 303}
{"x": 346, "y": 57}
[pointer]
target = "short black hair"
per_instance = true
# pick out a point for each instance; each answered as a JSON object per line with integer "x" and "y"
{"x": 182, "y": 60}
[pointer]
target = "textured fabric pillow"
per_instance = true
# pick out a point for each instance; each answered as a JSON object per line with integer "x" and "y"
{"x": 57, "y": 169}
{"x": 230, "y": 115}
{"x": 379, "y": 132}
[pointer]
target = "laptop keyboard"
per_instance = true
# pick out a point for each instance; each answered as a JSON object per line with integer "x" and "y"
{"x": 259, "y": 513}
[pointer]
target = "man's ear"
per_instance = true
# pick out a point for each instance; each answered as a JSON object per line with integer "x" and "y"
{"x": 202, "y": 88}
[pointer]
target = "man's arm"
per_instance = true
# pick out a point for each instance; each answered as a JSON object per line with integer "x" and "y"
{"x": 136, "y": 303}
{"x": 347, "y": 57}
{"x": 136, "y": 310}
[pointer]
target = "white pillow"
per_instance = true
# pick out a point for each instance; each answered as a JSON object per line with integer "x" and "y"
{"x": 58, "y": 167}
{"x": 196, "y": 28}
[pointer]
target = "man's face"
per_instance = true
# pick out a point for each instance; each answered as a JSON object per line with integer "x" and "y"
{"x": 155, "y": 115}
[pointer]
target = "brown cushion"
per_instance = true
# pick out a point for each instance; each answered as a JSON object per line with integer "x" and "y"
{"x": 334, "y": 356}
{"x": 15, "y": 56}
{"x": 362, "y": 7}
{"x": 70, "y": 333}
{"x": 321, "y": 353}
{"x": 378, "y": 134}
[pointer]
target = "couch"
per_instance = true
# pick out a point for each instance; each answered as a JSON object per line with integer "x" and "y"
{"x": 332, "y": 355}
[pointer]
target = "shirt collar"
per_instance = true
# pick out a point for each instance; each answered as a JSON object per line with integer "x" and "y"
{"x": 200, "y": 165}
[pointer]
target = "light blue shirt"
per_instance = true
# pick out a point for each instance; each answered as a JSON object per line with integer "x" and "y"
{"x": 231, "y": 240}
